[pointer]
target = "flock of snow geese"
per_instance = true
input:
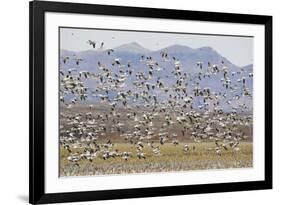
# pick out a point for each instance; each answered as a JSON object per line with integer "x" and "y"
{"x": 145, "y": 111}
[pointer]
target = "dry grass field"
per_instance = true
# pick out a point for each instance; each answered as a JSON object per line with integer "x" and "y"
{"x": 201, "y": 156}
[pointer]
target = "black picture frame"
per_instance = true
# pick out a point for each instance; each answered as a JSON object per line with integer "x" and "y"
{"x": 37, "y": 11}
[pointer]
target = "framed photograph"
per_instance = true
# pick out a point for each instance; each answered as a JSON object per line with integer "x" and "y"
{"x": 130, "y": 102}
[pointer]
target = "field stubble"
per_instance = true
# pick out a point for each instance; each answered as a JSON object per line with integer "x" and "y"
{"x": 171, "y": 159}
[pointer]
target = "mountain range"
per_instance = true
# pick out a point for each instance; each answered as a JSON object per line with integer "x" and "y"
{"x": 132, "y": 52}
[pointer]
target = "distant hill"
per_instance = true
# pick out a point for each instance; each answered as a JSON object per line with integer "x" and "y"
{"x": 133, "y": 51}
{"x": 132, "y": 48}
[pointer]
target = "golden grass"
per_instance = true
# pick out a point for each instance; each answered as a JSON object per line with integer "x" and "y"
{"x": 172, "y": 158}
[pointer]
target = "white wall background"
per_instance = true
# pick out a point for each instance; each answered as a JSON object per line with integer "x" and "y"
{"x": 14, "y": 103}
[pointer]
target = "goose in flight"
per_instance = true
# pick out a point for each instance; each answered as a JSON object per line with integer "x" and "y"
{"x": 101, "y": 45}
{"x": 164, "y": 55}
{"x": 175, "y": 142}
{"x": 200, "y": 64}
{"x": 126, "y": 155}
{"x": 185, "y": 148}
{"x": 156, "y": 151}
{"x": 109, "y": 51}
{"x": 92, "y": 43}
{"x": 70, "y": 70}
{"x": 141, "y": 155}
{"x": 65, "y": 59}
{"x": 117, "y": 61}
{"x": 77, "y": 60}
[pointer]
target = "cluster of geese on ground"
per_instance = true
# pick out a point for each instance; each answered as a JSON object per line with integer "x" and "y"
{"x": 90, "y": 117}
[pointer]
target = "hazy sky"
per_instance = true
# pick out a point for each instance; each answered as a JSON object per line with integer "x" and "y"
{"x": 239, "y": 50}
